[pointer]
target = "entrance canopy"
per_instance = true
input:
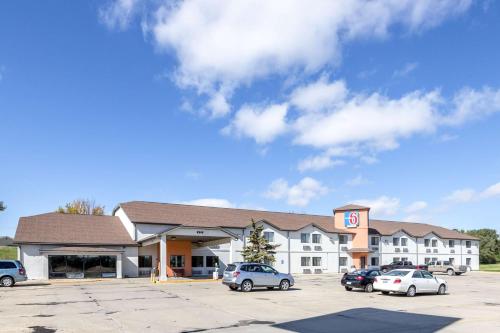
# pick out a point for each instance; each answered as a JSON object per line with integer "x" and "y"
{"x": 200, "y": 237}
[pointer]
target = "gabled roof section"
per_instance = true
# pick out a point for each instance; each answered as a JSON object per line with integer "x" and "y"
{"x": 350, "y": 207}
{"x": 72, "y": 229}
{"x": 201, "y": 216}
{"x": 388, "y": 228}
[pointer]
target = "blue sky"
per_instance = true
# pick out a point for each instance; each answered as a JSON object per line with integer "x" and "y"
{"x": 287, "y": 108}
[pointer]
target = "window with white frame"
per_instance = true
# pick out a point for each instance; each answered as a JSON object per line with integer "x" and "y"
{"x": 451, "y": 243}
{"x": 434, "y": 243}
{"x": 434, "y": 259}
{"x": 316, "y": 238}
{"x": 468, "y": 244}
{"x": 427, "y": 260}
{"x": 404, "y": 259}
{"x": 269, "y": 236}
{"x": 395, "y": 241}
{"x": 342, "y": 261}
{"x": 375, "y": 241}
{"x": 316, "y": 261}
{"x": 468, "y": 261}
{"x": 404, "y": 241}
{"x": 343, "y": 239}
{"x": 395, "y": 259}
{"x": 305, "y": 261}
{"x": 427, "y": 242}
{"x": 304, "y": 238}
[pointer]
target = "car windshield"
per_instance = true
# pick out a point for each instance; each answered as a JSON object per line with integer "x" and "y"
{"x": 230, "y": 268}
{"x": 397, "y": 273}
{"x": 360, "y": 272}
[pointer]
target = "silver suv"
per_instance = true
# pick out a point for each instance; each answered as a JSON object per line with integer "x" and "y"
{"x": 247, "y": 275}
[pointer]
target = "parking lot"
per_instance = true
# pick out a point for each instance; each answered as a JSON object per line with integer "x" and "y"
{"x": 315, "y": 304}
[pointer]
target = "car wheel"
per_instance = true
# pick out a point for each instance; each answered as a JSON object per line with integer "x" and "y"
{"x": 246, "y": 286}
{"x": 442, "y": 290}
{"x": 284, "y": 285}
{"x": 450, "y": 272}
{"x": 7, "y": 281}
{"x": 458, "y": 273}
{"x": 233, "y": 287}
{"x": 385, "y": 293}
{"x": 270, "y": 288}
{"x": 411, "y": 291}
{"x": 347, "y": 288}
{"x": 369, "y": 288}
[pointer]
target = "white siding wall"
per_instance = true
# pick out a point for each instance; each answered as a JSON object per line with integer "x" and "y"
{"x": 145, "y": 230}
{"x": 126, "y": 222}
{"x": 130, "y": 263}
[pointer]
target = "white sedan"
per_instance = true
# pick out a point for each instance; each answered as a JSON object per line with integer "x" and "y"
{"x": 410, "y": 282}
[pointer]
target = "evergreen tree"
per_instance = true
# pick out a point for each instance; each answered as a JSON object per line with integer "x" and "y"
{"x": 2, "y": 206}
{"x": 258, "y": 248}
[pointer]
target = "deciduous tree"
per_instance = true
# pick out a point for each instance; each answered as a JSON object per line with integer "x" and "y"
{"x": 82, "y": 207}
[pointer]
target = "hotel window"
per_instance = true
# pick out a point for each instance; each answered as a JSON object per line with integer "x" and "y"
{"x": 304, "y": 238}
{"x": 305, "y": 261}
{"x": 468, "y": 244}
{"x": 395, "y": 241}
{"x": 467, "y": 261}
{"x": 177, "y": 261}
{"x": 375, "y": 241}
{"x": 434, "y": 259}
{"x": 212, "y": 260}
{"x": 316, "y": 261}
{"x": 404, "y": 259}
{"x": 395, "y": 259}
{"x": 404, "y": 241}
{"x": 342, "y": 261}
{"x": 434, "y": 243}
{"x": 427, "y": 260}
{"x": 316, "y": 238}
{"x": 145, "y": 261}
{"x": 374, "y": 261}
{"x": 427, "y": 242}
{"x": 452, "y": 261}
{"x": 342, "y": 239}
{"x": 197, "y": 261}
{"x": 269, "y": 236}
{"x": 451, "y": 243}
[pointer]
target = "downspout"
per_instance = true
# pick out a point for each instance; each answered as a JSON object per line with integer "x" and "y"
{"x": 338, "y": 253}
{"x": 289, "y": 254}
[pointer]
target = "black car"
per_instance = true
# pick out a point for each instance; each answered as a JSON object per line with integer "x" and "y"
{"x": 401, "y": 264}
{"x": 361, "y": 279}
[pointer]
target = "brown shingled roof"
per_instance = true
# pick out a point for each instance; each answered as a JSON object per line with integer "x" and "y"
{"x": 351, "y": 207}
{"x": 201, "y": 216}
{"x": 58, "y": 228}
{"x": 385, "y": 228}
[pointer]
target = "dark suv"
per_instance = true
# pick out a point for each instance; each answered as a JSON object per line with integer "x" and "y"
{"x": 362, "y": 279}
{"x": 401, "y": 265}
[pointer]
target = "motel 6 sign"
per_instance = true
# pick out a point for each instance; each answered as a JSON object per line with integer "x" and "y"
{"x": 351, "y": 219}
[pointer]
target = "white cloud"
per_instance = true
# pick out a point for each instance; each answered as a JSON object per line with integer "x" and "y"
{"x": 218, "y": 105}
{"x": 316, "y": 163}
{"x": 262, "y": 124}
{"x": 491, "y": 191}
{"x": 470, "y": 104}
{"x": 461, "y": 196}
{"x": 357, "y": 181}
{"x": 407, "y": 69}
{"x": 118, "y": 14}
{"x": 416, "y": 206}
{"x": 299, "y": 194}
{"x": 219, "y": 43}
{"x": 210, "y": 202}
{"x": 318, "y": 96}
{"x": 353, "y": 122}
{"x": 381, "y": 206}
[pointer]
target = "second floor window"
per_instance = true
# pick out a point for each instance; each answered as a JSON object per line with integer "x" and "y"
{"x": 342, "y": 239}
{"x": 316, "y": 238}
{"x": 404, "y": 241}
{"x": 316, "y": 261}
{"x": 434, "y": 243}
{"x": 451, "y": 243}
{"x": 395, "y": 241}
{"x": 269, "y": 236}
{"x": 342, "y": 261}
{"x": 304, "y": 238}
{"x": 305, "y": 261}
{"x": 375, "y": 241}
{"x": 427, "y": 242}
{"x": 468, "y": 244}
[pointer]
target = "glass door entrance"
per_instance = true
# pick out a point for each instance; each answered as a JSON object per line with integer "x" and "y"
{"x": 80, "y": 267}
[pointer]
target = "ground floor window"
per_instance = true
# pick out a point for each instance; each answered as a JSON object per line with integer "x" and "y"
{"x": 452, "y": 261}
{"x": 316, "y": 261}
{"x": 145, "y": 261}
{"x": 395, "y": 259}
{"x": 427, "y": 260}
{"x": 197, "y": 261}
{"x": 212, "y": 260}
{"x": 342, "y": 261}
{"x": 468, "y": 261}
{"x": 177, "y": 261}
{"x": 434, "y": 259}
{"x": 79, "y": 267}
{"x": 305, "y": 261}
{"x": 374, "y": 261}
{"x": 404, "y": 259}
